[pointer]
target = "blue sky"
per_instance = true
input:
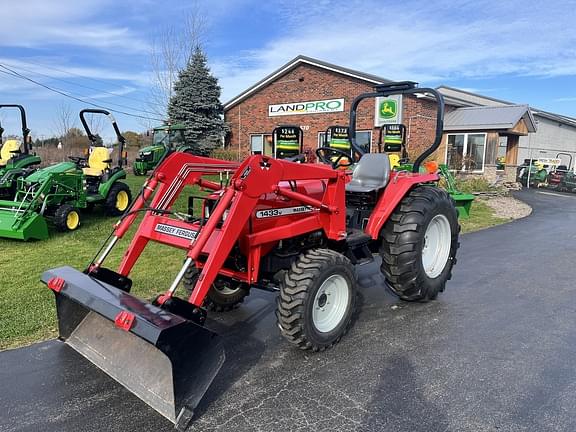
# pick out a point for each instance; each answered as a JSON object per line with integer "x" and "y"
{"x": 521, "y": 51}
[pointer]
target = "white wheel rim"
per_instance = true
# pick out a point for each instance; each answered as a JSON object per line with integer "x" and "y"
{"x": 224, "y": 289}
{"x": 330, "y": 303}
{"x": 436, "y": 249}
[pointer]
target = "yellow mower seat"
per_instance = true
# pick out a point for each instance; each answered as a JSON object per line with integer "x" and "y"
{"x": 7, "y": 149}
{"x": 98, "y": 162}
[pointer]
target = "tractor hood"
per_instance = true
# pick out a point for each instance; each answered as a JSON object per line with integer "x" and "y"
{"x": 150, "y": 149}
{"x": 43, "y": 173}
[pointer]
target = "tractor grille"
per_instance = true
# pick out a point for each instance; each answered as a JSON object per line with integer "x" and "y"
{"x": 145, "y": 158}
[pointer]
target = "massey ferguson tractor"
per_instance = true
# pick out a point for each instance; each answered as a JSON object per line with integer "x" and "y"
{"x": 298, "y": 229}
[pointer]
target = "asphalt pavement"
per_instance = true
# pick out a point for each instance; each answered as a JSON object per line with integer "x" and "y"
{"x": 495, "y": 352}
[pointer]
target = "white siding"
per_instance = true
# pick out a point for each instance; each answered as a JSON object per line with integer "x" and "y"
{"x": 551, "y": 137}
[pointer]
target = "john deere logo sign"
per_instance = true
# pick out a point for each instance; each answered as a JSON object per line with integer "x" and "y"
{"x": 388, "y": 110}
{"x": 312, "y": 107}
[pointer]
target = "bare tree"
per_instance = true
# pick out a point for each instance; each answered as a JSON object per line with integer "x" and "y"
{"x": 64, "y": 121}
{"x": 171, "y": 50}
{"x": 95, "y": 123}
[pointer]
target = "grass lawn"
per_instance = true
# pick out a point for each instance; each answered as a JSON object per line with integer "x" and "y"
{"x": 481, "y": 216}
{"x": 27, "y": 306}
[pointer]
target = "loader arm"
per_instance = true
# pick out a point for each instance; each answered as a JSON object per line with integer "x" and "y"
{"x": 257, "y": 176}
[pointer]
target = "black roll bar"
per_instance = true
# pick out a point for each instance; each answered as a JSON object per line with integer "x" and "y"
{"x": 92, "y": 138}
{"x": 25, "y": 130}
{"x": 397, "y": 88}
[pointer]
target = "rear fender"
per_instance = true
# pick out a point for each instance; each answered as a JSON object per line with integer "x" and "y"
{"x": 400, "y": 184}
{"x": 104, "y": 187}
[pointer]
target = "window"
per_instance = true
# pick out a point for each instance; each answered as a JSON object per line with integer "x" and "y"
{"x": 501, "y": 156}
{"x": 261, "y": 144}
{"x": 363, "y": 138}
{"x": 256, "y": 144}
{"x": 466, "y": 152}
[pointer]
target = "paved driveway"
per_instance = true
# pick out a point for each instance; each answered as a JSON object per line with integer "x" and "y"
{"x": 496, "y": 352}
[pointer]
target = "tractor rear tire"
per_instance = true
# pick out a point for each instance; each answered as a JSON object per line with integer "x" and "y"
{"x": 118, "y": 199}
{"x": 66, "y": 218}
{"x": 224, "y": 295}
{"x": 317, "y": 300}
{"x": 419, "y": 244}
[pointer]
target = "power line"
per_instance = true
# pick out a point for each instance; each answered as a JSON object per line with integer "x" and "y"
{"x": 13, "y": 66}
{"x": 92, "y": 88}
{"x": 62, "y": 93}
{"x": 71, "y": 74}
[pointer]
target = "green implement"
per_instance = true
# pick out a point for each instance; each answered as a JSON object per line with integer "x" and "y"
{"x": 20, "y": 224}
{"x": 463, "y": 200}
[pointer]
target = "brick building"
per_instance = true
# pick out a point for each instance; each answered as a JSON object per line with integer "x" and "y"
{"x": 315, "y": 95}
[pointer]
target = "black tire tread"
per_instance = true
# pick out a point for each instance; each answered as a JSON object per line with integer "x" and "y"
{"x": 110, "y": 202}
{"x": 294, "y": 292}
{"x": 60, "y": 216}
{"x": 212, "y": 302}
{"x": 401, "y": 237}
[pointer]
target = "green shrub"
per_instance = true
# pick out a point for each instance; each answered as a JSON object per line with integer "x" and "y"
{"x": 474, "y": 184}
{"x": 224, "y": 154}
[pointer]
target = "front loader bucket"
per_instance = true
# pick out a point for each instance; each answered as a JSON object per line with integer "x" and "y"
{"x": 32, "y": 226}
{"x": 164, "y": 359}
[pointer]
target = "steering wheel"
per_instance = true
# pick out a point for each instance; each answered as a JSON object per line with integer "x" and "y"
{"x": 78, "y": 160}
{"x": 326, "y": 155}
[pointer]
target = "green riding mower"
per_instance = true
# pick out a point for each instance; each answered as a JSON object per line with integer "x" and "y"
{"x": 57, "y": 193}
{"x": 165, "y": 139}
{"x": 16, "y": 160}
{"x": 534, "y": 172}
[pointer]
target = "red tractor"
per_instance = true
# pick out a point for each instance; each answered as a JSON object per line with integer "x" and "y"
{"x": 299, "y": 229}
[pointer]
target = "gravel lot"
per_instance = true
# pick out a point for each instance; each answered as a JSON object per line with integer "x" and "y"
{"x": 508, "y": 207}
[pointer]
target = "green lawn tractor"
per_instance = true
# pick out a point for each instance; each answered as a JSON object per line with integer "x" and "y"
{"x": 537, "y": 172}
{"x": 15, "y": 158}
{"x": 57, "y": 193}
{"x": 165, "y": 139}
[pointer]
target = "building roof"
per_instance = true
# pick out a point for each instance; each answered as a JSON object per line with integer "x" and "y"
{"x": 489, "y": 118}
{"x": 474, "y": 100}
{"x": 297, "y": 61}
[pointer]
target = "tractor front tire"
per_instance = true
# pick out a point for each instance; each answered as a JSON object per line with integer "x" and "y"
{"x": 66, "y": 218}
{"x": 138, "y": 172}
{"x": 118, "y": 199}
{"x": 224, "y": 295}
{"x": 419, "y": 244}
{"x": 317, "y": 299}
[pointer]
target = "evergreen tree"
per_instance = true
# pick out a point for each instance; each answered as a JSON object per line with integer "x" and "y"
{"x": 196, "y": 103}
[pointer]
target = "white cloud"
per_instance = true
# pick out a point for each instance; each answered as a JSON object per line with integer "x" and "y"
{"x": 42, "y": 23}
{"x": 430, "y": 43}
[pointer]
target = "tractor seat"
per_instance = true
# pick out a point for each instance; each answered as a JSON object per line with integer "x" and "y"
{"x": 98, "y": 162}
{"x": 371, "y": 174}
{"x": 8, "y": 151}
